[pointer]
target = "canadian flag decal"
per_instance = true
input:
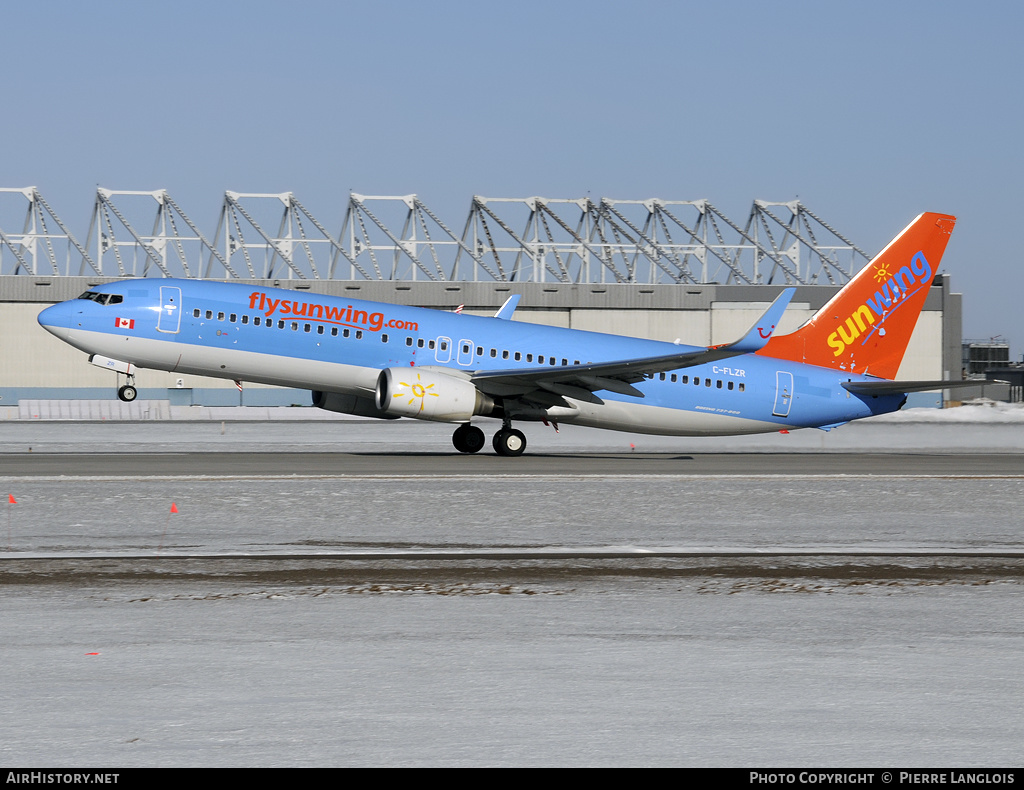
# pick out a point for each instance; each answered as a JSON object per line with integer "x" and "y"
{"x": 124, "y": 323}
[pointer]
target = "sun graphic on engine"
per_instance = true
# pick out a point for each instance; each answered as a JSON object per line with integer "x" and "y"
{"x": 882, "y": 272}
{"x": 416, "y": 391}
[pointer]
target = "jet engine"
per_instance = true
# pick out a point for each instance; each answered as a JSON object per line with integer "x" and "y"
{"x": 349, "y": 404}
{"x": 429, "y": 395}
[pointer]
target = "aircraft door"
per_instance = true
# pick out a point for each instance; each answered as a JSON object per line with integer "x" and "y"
{"x": 443, "y": 352}
{"x": 465, "y": 352}
{"x": 170, "y": 309}
{"x": 783, "y": 393}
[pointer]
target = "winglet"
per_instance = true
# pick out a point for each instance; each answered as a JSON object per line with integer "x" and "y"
{"x": 506, "y": 310}
{"x": 761, "y": 332}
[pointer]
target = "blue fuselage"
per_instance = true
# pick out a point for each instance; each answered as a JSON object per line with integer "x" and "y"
{"x": 301, "y": 339}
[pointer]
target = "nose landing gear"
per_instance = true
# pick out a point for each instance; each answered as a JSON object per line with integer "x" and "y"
{"x": 128, "y": 392}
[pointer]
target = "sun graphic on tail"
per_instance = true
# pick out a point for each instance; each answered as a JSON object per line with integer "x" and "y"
{"x": 882, "y": 272}
{"x": 416, "y": 391}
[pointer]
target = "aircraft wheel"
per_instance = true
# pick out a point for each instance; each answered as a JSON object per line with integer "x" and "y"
{"x": 127, "y": 393}
{"x": 468, "y": 439}
{"x": 509, "y": 442}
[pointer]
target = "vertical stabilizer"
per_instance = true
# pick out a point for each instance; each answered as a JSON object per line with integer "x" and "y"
{"x": 866, "y": 327}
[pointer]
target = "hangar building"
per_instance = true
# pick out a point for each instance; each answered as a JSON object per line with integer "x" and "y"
{"x": 654, "y": 268}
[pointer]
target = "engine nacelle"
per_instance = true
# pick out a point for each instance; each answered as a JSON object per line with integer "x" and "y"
{"x": 349, "y": 404}
{"x": 429, "y": 395}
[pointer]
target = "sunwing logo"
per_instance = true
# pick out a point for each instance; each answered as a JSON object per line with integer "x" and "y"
{"x": 896, "y": 288}
{"x": 345, "y": 316}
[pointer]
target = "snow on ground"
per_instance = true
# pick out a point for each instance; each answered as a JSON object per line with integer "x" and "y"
{"x": 980, "y": 411}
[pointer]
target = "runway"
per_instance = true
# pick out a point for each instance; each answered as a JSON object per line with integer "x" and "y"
{"x": 376, "y": 606}
{"x": 391, "y": 464}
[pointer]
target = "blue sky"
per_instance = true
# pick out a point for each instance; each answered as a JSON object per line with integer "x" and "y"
{"x": 871, "y": 112}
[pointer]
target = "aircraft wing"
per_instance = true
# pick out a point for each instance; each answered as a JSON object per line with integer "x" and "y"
{"x": 885, "y": 387}
{"x": 581, "y": 381}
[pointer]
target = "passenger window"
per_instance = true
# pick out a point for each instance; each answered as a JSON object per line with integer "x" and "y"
{"x": 295, "y": 326}
{"x": 408, "y": 341}
{"x": 719, "y": 384}
{"x": 662, "y": 376}
{"x": 696, "y": 381}
{"x": 233, "y": 318}
{"x": 673, "y": 378}
{"x": 518, "y": 356}
{"x": 256, "y": 320}
{"x": 540, "y": 360}
{"x": 245, "y": 319}
{"x": 359, "y": 334}
{"x": 430, "y": 345}
{"x": 209, "y": 313}
{"x": 334, "y": 331}
{"x": 306, "y": 327}
{"x": 552, "y": 361}
{"x": 730, "y": 385}
{"x": 504, "y": 355}
{"x": 383, "y": 338}
{"x": 280, "y": 324}
{"x": 320, "y": 329}
{"x": 707, "y": 382}
{"x": 196, "y": 313}
{"x": 479, "y": 351}
{"x": 494, "y": 352}
{"x": 529, "y": 358}
{"x": 742, "y": 386}
{"x": 220, "y": 316}
{"x": 346, "y": 333}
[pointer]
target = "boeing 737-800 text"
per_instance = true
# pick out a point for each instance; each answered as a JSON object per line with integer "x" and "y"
{"x": 388, "y": 361}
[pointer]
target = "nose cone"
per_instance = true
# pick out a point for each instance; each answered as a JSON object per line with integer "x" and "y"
{"x": 57, "y": 319}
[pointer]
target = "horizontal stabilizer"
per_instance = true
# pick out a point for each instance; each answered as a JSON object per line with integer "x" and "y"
{"x": 900, "y": 387}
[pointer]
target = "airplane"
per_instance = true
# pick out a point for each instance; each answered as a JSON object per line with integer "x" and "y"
{"x": 387, "y": 361}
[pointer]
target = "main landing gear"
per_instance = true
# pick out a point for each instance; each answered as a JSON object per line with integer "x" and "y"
{"x": 128, "y": 392}
{"x": 468, "y": 439}
{"x": 508, "y": 441}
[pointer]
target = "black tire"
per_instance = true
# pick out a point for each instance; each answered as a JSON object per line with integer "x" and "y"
{"x": 510, "y": 443}
{"x": 468, "y": 439}
{"x": 127, "y": 393}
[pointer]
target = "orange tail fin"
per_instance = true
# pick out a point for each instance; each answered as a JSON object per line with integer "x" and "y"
{"x": 865, "y": 328}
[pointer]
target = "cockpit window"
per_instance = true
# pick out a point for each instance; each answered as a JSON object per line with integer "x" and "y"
{"x": 95, "y": 296}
